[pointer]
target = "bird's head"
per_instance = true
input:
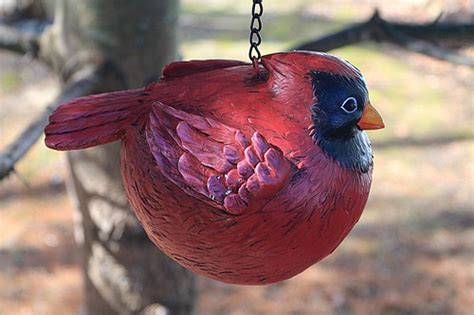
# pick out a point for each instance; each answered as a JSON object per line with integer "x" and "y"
{"x": 336, "y": 95}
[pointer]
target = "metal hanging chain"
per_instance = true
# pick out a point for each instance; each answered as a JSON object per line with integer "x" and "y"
{"x": 255, "y": 28}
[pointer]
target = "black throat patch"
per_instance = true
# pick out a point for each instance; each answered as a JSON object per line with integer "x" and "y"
{"x": 353, "y": 152}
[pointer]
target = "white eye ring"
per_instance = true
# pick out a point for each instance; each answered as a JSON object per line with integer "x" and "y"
{"x": 349, "y": 99}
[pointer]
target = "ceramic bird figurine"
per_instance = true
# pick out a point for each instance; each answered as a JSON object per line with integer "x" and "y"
{"x": 247, "y": 174}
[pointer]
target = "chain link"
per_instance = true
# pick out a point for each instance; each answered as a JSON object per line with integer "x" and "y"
{"x": 255, "y": 28}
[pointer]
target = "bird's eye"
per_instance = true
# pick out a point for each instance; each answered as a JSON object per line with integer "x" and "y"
{"x": 349, "y": 105}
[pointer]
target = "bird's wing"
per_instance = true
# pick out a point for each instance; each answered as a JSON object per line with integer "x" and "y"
{"x": 180, "y": 69}
{"x": 214, "y": 162}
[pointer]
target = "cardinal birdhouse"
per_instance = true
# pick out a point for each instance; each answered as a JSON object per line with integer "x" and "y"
{"x": 246, "y": 173}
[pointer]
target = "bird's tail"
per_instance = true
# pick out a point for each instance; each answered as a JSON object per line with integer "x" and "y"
{"x": 92, "y": 120}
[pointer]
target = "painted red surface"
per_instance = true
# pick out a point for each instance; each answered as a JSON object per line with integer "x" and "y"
{"x": 220, "y": 168}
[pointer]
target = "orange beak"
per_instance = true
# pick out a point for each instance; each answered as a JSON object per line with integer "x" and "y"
{"x": 370, "y": 119}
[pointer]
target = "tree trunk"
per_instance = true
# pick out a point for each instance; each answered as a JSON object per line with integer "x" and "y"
{"x": 123, "y": 272}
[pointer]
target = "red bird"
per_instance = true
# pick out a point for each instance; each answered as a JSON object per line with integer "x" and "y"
{"x": 246, "y": 175}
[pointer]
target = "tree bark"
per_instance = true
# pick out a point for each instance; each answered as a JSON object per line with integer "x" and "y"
{"x": 124, "y": 273}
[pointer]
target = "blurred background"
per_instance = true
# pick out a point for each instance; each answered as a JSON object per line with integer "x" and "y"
{"x": 412, "y": 251}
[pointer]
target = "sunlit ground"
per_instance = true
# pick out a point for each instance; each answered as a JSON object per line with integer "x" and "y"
{"x": 411, "y": 253}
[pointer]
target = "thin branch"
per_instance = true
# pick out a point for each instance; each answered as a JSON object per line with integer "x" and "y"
{"x": 351, "y": 35}
{"x": 83, "y": 83}
{"x": 427, "y": 48}
{"x": 438, "y": 31}
{"x": 19, "y": 41}
{"x": 410, "y": 36}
